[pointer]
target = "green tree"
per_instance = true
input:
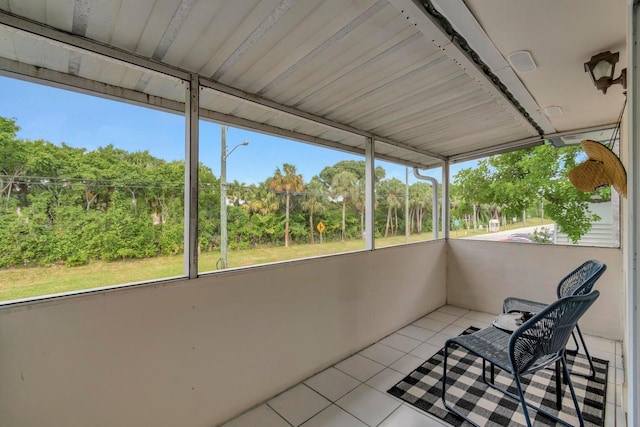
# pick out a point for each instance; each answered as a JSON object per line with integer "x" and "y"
{"x": 262, "y": 200}
{"x": 13, "y": 158}
{"x": 473, "y": 185}
{"x": 314, "y": 201}
{"x": 391, "y": 194}
{"x": 420, "y": 203}
{"x": 288, "y": 183}
{"x": 356, "y": 167}
{"x": 359, "y": 201}
{"x": 342, "y": 185}
{"x": 238, "y": 193}
{"x": 208, "y": 209}
{"x": 515, "y": 181}
{"x": 357, "y": 196}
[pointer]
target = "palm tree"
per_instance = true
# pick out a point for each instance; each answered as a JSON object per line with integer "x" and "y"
{"x": 420, "y": 196}
{"x": 262, "y": 200}
{"x": 314, "y": 201}
{"x": 359, "y": 201}
{"x": 237, "y": 192}
{"x": 289, "y": 183}
{"x": 341, "y": 189}
{"x": 473, "y": 185}
{"x": 394, "y": 190}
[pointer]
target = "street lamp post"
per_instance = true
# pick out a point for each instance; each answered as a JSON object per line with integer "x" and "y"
{"x": 223, "y": 193}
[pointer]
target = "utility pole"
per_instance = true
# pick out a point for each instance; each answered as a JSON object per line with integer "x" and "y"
{"x": 223, "y": 193}
{"x": 223, "y": 196}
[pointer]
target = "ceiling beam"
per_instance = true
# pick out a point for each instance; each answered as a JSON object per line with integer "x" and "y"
{"x": 51, "y": 33}
{"x": 38, "y": 29}
{"x": 60, "y": 80}
{"x": 457, "y": 12}
{"x": 498, "y": 149}
{"x": 448, "y": 40}
{"x": 65, "y": 81}
{"x": 259, "y": 100}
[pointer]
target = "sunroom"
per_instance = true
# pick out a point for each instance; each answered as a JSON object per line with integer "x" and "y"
{"x": 424, "y": 84}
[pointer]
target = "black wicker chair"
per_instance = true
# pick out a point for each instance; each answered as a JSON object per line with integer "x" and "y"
{"x": 536, "y": 344}
{"x": 579, "y": 282}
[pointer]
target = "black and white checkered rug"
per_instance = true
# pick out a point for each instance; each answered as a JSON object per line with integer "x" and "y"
{"x": 488, "y": 407}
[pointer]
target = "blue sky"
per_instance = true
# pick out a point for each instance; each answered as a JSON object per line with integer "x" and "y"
{"x": 80, "y": 120}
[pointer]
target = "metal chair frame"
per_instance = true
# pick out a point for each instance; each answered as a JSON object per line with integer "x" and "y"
{"x": 538, "y": 343}
{"x": 578, "y": 282}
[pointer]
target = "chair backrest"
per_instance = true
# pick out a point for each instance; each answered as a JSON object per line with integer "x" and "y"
{"x": 542, "y": 339}
{"x": 581, "y": 280}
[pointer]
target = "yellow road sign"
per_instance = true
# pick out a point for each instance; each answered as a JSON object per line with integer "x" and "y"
{"x": 320, "y": 227}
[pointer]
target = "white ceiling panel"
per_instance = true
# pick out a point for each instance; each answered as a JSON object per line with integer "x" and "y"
{"x": 57, "y": 12}
{"x": 7, "y": 47}
{"x": 101, "y": 20}
{"x": 391, "y": 69}
{"x": 32, "y": 9}
{"x": 36, "y": 51}
{"x": 128, "y": 27}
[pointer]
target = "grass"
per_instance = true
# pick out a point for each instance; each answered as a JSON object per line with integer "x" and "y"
{"x": 36, "y": 281}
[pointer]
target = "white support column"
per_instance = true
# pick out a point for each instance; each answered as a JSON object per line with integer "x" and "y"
{"x": 445, "y": 199}
{"x": 434, "y": 200}
{"x": 369, "y": 193}
{"x": 191, "y": 178}
{"x": 632, "y": 233}
{"x": 407, "y": 226}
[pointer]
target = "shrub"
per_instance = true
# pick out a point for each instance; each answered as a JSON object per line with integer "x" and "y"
{"x": 77, "y": 260}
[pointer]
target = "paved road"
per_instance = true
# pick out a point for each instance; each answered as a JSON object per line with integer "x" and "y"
{"x": 499, "y": 235}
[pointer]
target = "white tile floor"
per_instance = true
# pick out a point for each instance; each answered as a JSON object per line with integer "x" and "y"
{"x": 352, "y": 393}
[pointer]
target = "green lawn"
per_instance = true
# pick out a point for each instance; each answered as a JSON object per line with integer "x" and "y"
{"x": 28, "y": 282}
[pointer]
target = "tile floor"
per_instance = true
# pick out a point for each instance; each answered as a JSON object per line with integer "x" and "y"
{"x": 352, "y": 393}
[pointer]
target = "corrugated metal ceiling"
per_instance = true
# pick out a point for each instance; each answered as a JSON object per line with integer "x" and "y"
{"x": 364, "y": 64}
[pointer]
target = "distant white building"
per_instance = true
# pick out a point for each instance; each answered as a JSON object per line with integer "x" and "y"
{"x": 605, "y": 232}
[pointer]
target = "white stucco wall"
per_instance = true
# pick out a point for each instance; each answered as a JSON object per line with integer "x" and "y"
{"x": 481, "y": 274}
{"x": 199, "y": 352}
{"x": 196, "y": 353}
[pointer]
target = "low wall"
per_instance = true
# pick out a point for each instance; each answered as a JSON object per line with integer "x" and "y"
{"x": 198, "y": 352}
{"x": 481, "y": 274}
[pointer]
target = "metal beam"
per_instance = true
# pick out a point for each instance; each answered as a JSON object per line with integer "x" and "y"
{"x": 410, "y": 148}
{"x": 60, "y": 80}
{"x": 369, "y": 195}
{"x": 107, "y": 51}
{"x": 259, "y": 100}
{"x": 239, "y": 122}
{"x": 433, "y": 30}
{"x": 466, "y": 24}
{"x": 580, "y": 130}
{"x": 51, "y": 33}
{"x": 557, "y": 135}
{"x": 631, "y": 242}
{"x": 445, "y": 200}
{"x": 191, "y": 178}
{"x": 434, "y": 200}
{"x": 497, "y": 149}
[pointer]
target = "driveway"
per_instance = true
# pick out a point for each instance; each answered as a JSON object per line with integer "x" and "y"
{"x": 499, "y": 235}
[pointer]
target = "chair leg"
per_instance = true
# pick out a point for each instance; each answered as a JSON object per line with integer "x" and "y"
{"x": 530, "y": 405}
{"x": 520, "y": 396}
{"x": 523, "y": 402}
{"x": 484, "y": 371}
{"x": 558, "y": 380}
{"x": 592, "y": 369}
{"x": 575, "y": 340}
{"x": 573, "y": 393}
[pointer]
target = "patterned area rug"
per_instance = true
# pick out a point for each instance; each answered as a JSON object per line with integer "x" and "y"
{"x": 488, "y": 407}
